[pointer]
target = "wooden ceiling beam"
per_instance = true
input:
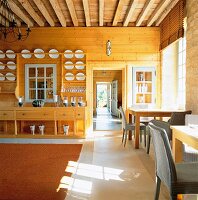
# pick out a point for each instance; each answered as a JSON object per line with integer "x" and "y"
{"x": 144, "y": 12}
{"x": 86, "y": 10}
{"x": 166, "y": 11}
{"x": 161, "y": 6}
{"x": 31, "y": 11}
{"x": 101, "y": 12}
{"x": 130, "y": 11}
{"x": 58, "y": 11}
{"x": 118, "y": 12}
{"x": 40, "y": 5}
{"x": 72, "y": 11}
{"x": 15, "y": 9}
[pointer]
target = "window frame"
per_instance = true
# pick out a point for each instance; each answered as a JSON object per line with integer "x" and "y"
{"x": 36, "y": 77}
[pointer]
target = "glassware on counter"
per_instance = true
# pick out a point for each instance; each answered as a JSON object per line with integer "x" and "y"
{"x": 73, "y": 101}
{"x": 20, "y": 101}
{"x": 65, "y": 101}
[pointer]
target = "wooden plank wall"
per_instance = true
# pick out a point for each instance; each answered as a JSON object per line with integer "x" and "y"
{"x": 131, "y": 46}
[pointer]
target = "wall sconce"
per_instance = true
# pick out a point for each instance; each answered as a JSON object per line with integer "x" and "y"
{"x": 108, "y": 48}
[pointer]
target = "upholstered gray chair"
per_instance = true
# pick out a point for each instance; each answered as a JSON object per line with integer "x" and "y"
{"x": 180, "y": 178}
{"x": 130, "y": 127}
{"x": 177, "y": 118}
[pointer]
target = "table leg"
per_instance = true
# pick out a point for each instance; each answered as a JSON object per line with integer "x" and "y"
{"x": 137, "y": 131}
{"x": 177, "y": 150}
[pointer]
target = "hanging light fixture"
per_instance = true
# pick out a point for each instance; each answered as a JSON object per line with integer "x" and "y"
{"x": 108, "y": 48}
{"x": 8, "y": 26}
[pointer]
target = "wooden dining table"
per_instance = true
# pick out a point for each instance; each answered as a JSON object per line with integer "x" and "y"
{"x": 180, "y": 135}
{"x": 137, "y": 113}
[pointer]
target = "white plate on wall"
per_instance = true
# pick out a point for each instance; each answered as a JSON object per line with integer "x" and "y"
{"x": 11, "y": 65}
{"x": 68, "y": 54}
{"x": 10, "y": 54}
{"x": 26, "y": 53}
{"x": 39, "y": 53}
{"x": 2, "y": 77}
{"x": 79, "y": 54}
{"x": 10, "y": 76}
{"x": 69, "y": 65}
{"x": 2, "y": 55}
{"x": 69, "y": 77}
{"x": 79, "y": 65}
{"x": 53, "y": 53}
{"x": 2, "y": 66}
{"x": 80, "y": 77}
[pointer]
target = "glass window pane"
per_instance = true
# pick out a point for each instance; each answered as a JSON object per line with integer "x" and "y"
{"x": 32, "y": 72}
{"x": 49, "y": 72}
{"x": 32, "y": 94}
{"x": 49, "y": 94}
{"x": 40, "y": 83}
{"x": 49, "y": 83}
{"x": 180, "y": 72}
{"x": 32, "y": 83}
{"x": 40, "y": 72}
{"x": 180, "y": 58}
{"x": 41, "y": 94}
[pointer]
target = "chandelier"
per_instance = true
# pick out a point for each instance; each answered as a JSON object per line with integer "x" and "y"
{"x": 9, "y": 30}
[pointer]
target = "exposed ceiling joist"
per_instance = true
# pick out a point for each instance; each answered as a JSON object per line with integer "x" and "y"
{"x": 101, "y": 12}
{"x": 166, "y": 11}
{"x": 20, "y": 14}
{"x": 32, "y": 13}
{"x": 130, "y": 12}
{"x": 144, "y": 12}
{"x": 72, "y": 11}
{"x": 118, "y": 12}
{"x": 44, "y": 11}
{"x": 58, "y": 11}
{"x": 86, "y": 10}
{"x": 161, "y": 6}
{"x": 7, "y": 20}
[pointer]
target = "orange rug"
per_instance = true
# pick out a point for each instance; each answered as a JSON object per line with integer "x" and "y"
{"x": 34, "y": 171}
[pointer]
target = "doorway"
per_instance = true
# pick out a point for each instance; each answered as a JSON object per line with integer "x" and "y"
{"x": 106, "y": 99}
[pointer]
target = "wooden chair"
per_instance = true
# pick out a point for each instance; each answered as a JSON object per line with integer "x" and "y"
{"x": 130, "y": 127}
{"x": 180, "y": 178}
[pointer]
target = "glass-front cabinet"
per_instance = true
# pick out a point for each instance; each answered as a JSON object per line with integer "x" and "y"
{"x": 40, "y": 82}
{"x": 144, "y": 85}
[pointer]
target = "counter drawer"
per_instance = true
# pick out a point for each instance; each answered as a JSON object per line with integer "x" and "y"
{"x": 6, "y": 115}
{"x": 63, "y": 115}
{"x": 80, "y": 113}
{"x": 35, "y": 115}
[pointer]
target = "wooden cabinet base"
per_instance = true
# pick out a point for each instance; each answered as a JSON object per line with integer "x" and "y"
{"x": 53, "y": 119}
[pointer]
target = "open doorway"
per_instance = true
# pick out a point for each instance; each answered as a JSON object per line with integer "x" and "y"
{"x": 105, "y": 116}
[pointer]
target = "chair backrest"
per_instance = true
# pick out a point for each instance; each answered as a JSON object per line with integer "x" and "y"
{"x": 191, "y": 119}
{"x": 124, "y": 120}
{"x": 178, "y": 118}
{"x": 164, "y": 125}
{"x": 165, "y": 167}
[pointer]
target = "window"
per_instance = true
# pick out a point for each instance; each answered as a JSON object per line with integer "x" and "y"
{"x": 40, "y": 82}
{"x": 182, "y": 73}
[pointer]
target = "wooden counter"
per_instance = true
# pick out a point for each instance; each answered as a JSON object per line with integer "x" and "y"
{"x": 20, "y": 118}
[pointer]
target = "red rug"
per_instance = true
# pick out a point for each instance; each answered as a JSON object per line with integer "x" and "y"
{"x": 34, "y": 171}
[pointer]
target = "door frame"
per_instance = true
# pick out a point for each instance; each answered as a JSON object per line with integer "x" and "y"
{"x": 91, "y": 66}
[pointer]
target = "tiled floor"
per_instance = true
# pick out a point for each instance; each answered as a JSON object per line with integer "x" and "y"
{"x": 105, "y": 121}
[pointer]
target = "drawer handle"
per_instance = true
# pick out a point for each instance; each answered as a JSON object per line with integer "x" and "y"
{"x": 23, "y": 114}
{"x": 78, "y": 114}
{"x": 64, "y": 114}
{"x": 4, "y": 114}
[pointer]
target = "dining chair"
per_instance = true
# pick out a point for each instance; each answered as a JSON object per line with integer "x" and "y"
{"x": 177, "y": 118}
{"x": 130, "y": 127}
{"x": 179, "y": 178}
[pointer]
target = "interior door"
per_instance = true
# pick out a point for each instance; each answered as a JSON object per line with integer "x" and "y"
{"x": 114, "y": 98}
